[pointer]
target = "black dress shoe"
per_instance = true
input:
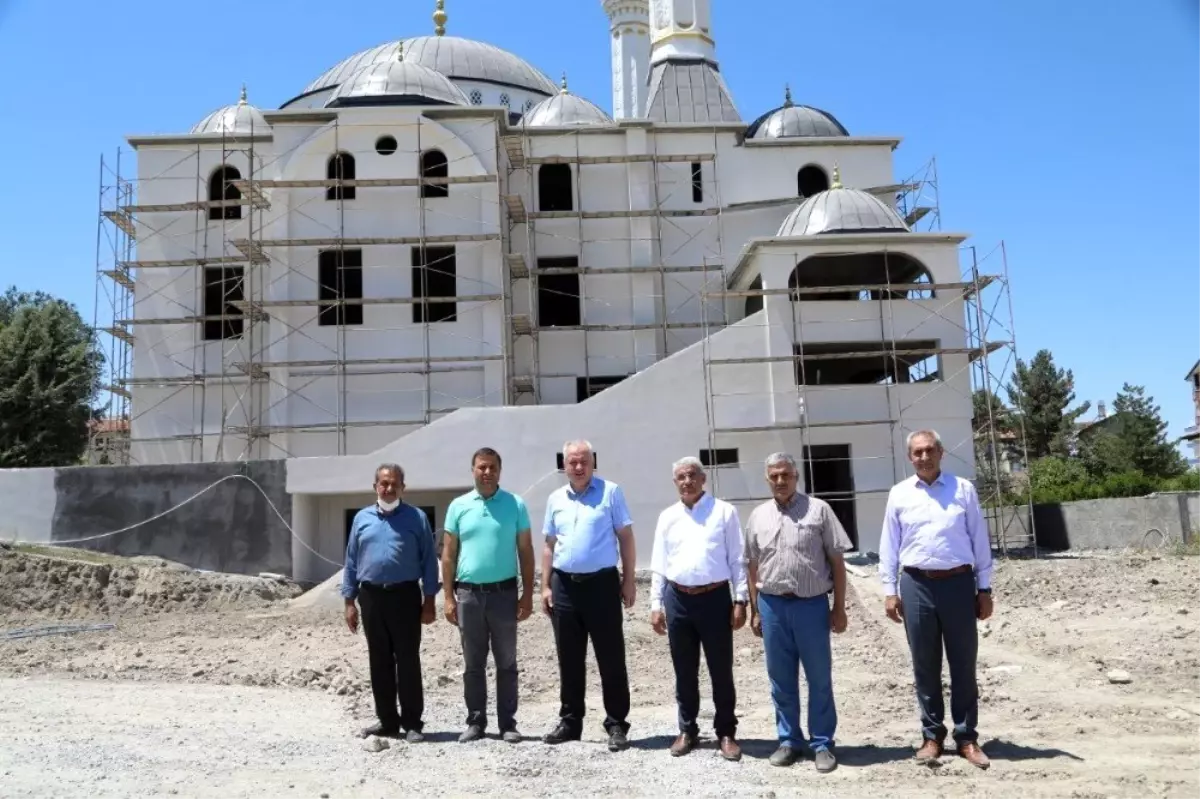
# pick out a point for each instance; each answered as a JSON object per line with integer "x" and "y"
{"x": 381, "y": 730}
{"x": 617, "y": 740}
{"x": 561, "y": 734}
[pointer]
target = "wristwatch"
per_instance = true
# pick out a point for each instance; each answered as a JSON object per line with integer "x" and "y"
{"x": 741, "y": 602}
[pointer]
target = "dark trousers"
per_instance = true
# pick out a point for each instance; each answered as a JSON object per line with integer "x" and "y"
{"x": 488, "y": 620}
{"x": 941, "y": 613}
{"x": 590, "y": 607}
{"x": 392, "y": 623}
{"x": 695, "y": 622}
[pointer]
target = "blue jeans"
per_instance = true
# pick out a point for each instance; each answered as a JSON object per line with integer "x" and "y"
{"x": 796, "y": 633}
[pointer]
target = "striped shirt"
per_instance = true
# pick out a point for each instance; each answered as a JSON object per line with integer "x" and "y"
{"x": 792, "y": 545}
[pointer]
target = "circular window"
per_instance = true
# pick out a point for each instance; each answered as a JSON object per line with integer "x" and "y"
{"x": 386, "y": 145}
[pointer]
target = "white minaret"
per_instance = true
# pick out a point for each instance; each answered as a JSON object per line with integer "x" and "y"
{"x": 629, "y": 24}
{"x": 681, "y": 29}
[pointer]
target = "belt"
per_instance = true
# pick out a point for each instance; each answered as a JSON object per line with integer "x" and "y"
{"x": 404, "y": 586}
{"x": 579, "y": 577}
{"x": 939, "y": 574}
{"x": 487, "y": 588}
{"x": 698, "y": 589}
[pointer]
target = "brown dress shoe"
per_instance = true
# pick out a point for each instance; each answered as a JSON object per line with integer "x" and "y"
{"x": 930, "y": 751}
{"x": 973, "y": 754}
{"x": 683, "y": 744}
{"x": 729, "y": 748}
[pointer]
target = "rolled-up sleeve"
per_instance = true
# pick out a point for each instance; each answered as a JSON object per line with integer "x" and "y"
{"x": 735, "y": 551}
{"x": 981, "y": 543}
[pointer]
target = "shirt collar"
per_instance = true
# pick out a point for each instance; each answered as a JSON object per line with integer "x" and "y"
{"x": 474, "y": 494}
{"x": 571, "y": 492}
{"x": 791, "y": 503}
{"x": 705, "y": 500}
{"x": 940, "y": 480}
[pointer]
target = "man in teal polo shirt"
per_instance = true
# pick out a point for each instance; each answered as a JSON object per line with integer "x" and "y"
{"x": 487, "y": 534}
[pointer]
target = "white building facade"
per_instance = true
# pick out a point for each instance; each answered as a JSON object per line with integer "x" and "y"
{"x": 435, "y": 248}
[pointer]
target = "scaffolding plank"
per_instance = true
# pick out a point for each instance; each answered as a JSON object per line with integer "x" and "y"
{"x": 917, "y": 214}
{"x": 182, "y": 320}
{"x": 623, "y": 214}
{"x": 120, "y": 391}
{"x": 244, "y": 244}
{"x": 522, "y": 324}
{"x": 259, "y": 304}
{"x": 624, "y": 270}
{"x": 448, "y": 359}
{"x": 327, "y": 183}
{"x": 516, "y": 208}
{"x": 967, "y": 287}
{"x": 974, "y": 352}
{"x": 514, "y": 146}
{"x": 118, "y": 331}
{"x": 252, "y": 249}
{"x": 630, "y": 158}
{"x": 523, "y": 384}
{"x": 214, "y": 260}
{"x": 613, "y": 328}
{"x": 892, "y": 188}
{"x": 517, "y": 268}
{"x": 766, "y": 428}
{"x": 194, "y": 205}
{"x": 120, "y": 277}
{"x": 122, "y": 220}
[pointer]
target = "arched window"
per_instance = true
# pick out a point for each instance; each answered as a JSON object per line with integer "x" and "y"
{"x": 811, "y": 180}
{"x": 754, "y": 303}
{"x": 340, "y": 167}
{"x": 220, "y": 187}
{"x": 434, "y": 165}
{"x": 861, "y": 276}
{"x": 554, "y": 188}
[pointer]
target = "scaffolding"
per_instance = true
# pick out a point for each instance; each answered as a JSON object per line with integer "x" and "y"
{"x": 260, "y": 382}
{"x": 988, "y": 340}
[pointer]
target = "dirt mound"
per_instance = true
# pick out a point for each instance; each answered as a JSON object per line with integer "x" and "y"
{"x": 73, "y": 585}
{"x": 325, "y": 596}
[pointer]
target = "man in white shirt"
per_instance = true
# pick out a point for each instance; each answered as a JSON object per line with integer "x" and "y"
{"x": 935, "y": 562}
{"x": 698, "y": 596}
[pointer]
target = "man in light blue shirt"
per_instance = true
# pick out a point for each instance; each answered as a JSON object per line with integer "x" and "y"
{"x": 391, "y": 568}
{"x": 935, "y": 562}
{"x": 587, "y": 530}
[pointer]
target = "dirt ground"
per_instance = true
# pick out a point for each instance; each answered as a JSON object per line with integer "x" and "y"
{"x": 232, "y": 690}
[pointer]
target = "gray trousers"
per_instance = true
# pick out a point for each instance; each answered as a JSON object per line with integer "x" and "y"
{"x": 941, "y": 614}
{"x": 488, "y": 620}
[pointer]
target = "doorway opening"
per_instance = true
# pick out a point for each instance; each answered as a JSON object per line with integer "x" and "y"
{"x": 828, "y": 475}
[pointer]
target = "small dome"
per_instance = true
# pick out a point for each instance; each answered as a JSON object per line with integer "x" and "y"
{"x": 398, "y": 81}
{"x": 239, "y": 118}
{"x": 795, "y": 121}
{"x": 842, "y": 210}
{"x": 458, "y": 59}
{"x": 565, "y": 110}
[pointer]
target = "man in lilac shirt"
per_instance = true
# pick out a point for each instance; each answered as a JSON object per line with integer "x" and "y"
{"x": 935, "y": 561}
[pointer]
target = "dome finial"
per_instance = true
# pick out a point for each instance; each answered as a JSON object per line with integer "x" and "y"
{"x": 439, "y": 18}
{"x": 564, "y": 83}
{"x": 837, "y": 178}
{"x": 242, "y": 97}
{"x": 787, "y": 95}
{"x": 400, "y": 50}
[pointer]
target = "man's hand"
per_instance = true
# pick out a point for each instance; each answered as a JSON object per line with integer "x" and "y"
{"x": 737, "y": 617}
{"x": 450, "y": 610}
{"x": 756, "y": 624}
{"x": 351, "y": 616}
{"x": 983, "y": 606}
{"x": 547, "y": 601}
{"x": 428, "y": 611}
{"x": 525, "y": 606}
{"x": 628, "y": 591}
{"x": 837, "y": 619}
{"x": 894, "y": 608}
{"x": 658, "y": 622}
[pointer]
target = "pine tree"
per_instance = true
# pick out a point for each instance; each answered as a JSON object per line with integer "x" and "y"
{"x": 50, "y": 370}
{"x": 1042, "y": 394}
{"x": 1143, "y": 433}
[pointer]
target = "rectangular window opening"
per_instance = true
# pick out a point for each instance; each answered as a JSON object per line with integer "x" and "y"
{"x": 339, "y": 278}
{"x": 867, "y": 363}
{"x": 592, "y": 385}
{"x": 223, "y": 286}
{"x": 697, "y": 182}
{"x": 434, "y": 275}
{"x": 561, "y": 464}
{"x": 719, "y": 457}
{"x": 829, "y": 475}
{"x": 559, "y": 298}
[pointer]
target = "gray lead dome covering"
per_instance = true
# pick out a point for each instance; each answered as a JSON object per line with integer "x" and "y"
{"x": 796, "y": 121}
{"x": 398, "y": 79}
{"x": 456, "y": 58}
{"x": 565, "y": 110}
{"x": 842, "y": 210}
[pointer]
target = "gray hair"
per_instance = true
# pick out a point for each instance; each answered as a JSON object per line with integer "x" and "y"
{"x": 580, "y": 443}
{"x": 687, "y": 461}
{"x": 390, "y": 467}
{"x": 931, "y": 433}
{"x": 782, "y": 459}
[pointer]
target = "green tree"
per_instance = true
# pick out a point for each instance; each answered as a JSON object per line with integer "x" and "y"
{"x": 1143, "y": 433}
{"x": 1043, "y": 394}
{"x": 50, "y": 367}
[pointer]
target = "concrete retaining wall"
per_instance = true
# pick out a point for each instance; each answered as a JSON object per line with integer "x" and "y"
{"x": 230, "y": 528}
{"x": 1118, "y": 523}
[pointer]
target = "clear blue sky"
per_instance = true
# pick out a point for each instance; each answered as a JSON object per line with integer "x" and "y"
{"x": 1067, "y": 128}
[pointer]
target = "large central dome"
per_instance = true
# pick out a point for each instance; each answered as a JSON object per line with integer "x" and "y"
{"x": 456, "y": 58}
